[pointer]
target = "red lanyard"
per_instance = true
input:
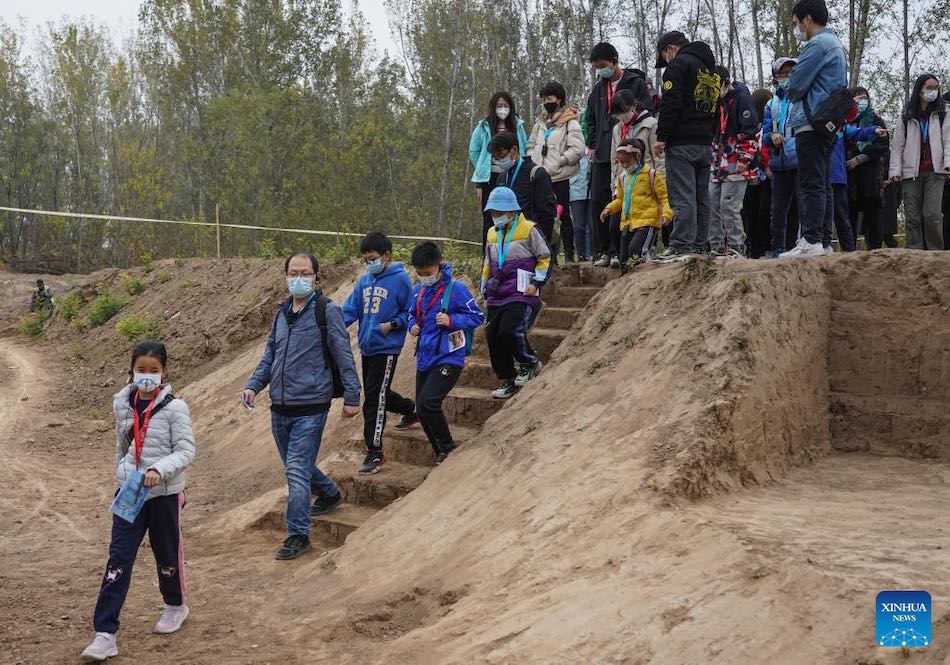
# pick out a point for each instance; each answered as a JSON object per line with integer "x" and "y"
{"x": 624, "y": 130}
{"x": 139, "y": 432}
{"x": 611, "y": 92}
{"x": 722, "y": 120}
{"x": 420, "y": 314}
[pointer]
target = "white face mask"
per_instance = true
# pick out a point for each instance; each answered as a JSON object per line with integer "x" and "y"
{"x": 146, "y": 382}
{"x": 930, "y": 95}
{"x": 502, "y": 112}
{"x": 799, "y": 33}
{"x": 429, "y": 280}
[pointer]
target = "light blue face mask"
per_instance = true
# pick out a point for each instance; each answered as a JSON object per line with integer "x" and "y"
{"x": 300, "y": 287}
{"x": 606, "y": 72}
{"x": 502, "y": 221}
{"x": 783, "y": 84}
{"x": 506, "y": 163}
{"x": 375, "y": 266}
{"x": 863, "y": 105}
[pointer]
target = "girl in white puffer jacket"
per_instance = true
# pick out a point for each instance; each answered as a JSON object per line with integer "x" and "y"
{"x": 153, "y": 436}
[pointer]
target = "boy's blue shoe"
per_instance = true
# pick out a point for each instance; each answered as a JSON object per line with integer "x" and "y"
{"x": 776, "y": 253}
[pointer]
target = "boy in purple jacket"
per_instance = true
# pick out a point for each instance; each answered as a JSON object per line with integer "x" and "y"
{"x": 517, "y": 259}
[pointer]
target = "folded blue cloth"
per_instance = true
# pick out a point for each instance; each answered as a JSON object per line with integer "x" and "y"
{"x": 131, "y": 497}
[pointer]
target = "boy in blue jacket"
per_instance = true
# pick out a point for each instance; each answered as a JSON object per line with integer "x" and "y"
{"x": 836, "y": 210}
{"x": 380, "y": 302}
{"x": 443, "y": 309}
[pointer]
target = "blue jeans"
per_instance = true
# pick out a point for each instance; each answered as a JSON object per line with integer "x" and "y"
{"x": 298, "y": 442}
{"x": 687, "y": 182}
{"x": 814, "y": 182}
{"x": 583, "y": 228}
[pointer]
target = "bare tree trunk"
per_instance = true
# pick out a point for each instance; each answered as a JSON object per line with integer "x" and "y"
{"x": 756, "y": 37}
{"x": 711, "y": 5}
{"x": 906, "y": 46}
{"x": 449, "y": 111}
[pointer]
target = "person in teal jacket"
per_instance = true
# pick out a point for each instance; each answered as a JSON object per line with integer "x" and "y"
{"x": 502, "y": 117}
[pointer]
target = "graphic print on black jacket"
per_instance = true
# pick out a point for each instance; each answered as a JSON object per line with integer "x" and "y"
{"x": 690, "y": 97}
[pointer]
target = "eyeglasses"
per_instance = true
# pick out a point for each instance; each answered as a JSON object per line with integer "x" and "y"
{"x": 298, "y": 273}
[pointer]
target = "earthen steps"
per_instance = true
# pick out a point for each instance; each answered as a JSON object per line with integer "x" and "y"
{"x": 336, "y": 526}
{"x": 571, "y": 296}
{"x": 411, "y": 446}
{"x": 560, "y": 318}
{"x": 470, "y": 406}
{"x": 393, "y": 480}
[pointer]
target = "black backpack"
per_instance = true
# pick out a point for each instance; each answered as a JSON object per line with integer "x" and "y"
{"x": 833, "y": 114}
{"x": 320, "y": 309}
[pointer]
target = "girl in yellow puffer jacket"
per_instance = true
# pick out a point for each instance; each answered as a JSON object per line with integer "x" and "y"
{"x": 641, "y": 201}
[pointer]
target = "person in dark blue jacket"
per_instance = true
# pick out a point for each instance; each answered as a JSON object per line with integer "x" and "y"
{"x": 296, "y": 365}
{"x": 380, "y": 302}
{"x": 783, "y": 159}
{"x": 837, "y": 210}
{"x": 442, "y": 310}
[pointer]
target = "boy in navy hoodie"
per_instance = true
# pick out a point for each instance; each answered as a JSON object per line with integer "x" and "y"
{"x": 443, "y": 309}
{"x": 380, "y": 302}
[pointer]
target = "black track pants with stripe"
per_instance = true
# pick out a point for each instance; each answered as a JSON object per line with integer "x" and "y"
{"x": 378, "y": 372}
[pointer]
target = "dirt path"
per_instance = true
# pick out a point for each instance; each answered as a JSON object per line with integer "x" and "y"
{"x": 55, "y": 488}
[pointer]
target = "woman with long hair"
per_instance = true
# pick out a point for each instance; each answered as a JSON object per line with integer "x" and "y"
{"x": 502, "y": 117}
{"x": 920, "y": 159}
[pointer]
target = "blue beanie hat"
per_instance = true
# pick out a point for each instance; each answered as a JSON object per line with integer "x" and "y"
{"x": 502, "y": 199}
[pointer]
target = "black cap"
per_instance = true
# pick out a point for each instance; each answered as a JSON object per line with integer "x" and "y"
{"x": 671, "y": 38}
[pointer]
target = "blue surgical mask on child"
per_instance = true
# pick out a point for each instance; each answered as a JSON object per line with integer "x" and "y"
{"x": 605, "y": 73}
{"x": 375, "y": 266}
{"x": 502, "y": 221}
{"x": 146, "y": 382}
{"x": 300, "y": 287}
{"x": 863, "y": 105}
{"x": 429, "y": 280}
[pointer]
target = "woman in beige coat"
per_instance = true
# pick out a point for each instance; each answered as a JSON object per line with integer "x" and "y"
{"x": 920, "y": 159}
{"x": 557, "y": 144}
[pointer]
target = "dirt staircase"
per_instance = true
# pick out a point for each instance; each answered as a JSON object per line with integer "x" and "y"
{"x": 409, "y": 457}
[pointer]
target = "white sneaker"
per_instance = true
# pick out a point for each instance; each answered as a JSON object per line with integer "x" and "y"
{"x": 803, "y": 248}
{"x": 103, "y": 646}
{"x": 615, "y": 262}
{"x": 829, "y": 251}
{"x": 171, "y": 619}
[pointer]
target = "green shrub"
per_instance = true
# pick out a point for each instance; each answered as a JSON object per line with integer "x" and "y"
{"x": 103, "y": 308}
{"x": 136, "y": 327}
{"x": 31, "y": 325}
{"x": 132, "y": 284}
{"x": 147, "y": 265}
{"x": 70, "y": 306}
{"x": 80, "y": 352}
{"x": 164, "y": 277}
{"x": 188, "y": 283}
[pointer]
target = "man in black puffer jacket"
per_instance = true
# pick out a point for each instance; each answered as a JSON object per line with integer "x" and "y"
{"x": 686, "y": 124}
{"x": 600, "y": 124}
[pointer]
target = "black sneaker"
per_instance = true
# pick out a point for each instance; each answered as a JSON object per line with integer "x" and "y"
{"x": 408, "y": 422}
{"x": 294, "y": 547}
{"x": 322, "y": 506}
{"x": 374, "y": 460}
{"x": 440, "y": 457}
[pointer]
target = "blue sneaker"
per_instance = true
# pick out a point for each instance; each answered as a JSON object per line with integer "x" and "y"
{"x": 776, "y": 253}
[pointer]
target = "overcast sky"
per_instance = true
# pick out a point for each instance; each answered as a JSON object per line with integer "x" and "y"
{"x": 120, "y": 15}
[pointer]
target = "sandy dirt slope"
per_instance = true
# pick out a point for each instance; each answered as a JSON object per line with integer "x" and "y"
{"x": 673, "y": 489}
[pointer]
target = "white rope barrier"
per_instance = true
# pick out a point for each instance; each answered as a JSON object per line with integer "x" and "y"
{"x": 247, "y": 227}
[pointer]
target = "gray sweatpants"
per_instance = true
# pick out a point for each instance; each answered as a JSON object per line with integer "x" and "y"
{"x": 725, "y": 215}
{"x": 687, "y": 183}
{"x": 923, "y": 213}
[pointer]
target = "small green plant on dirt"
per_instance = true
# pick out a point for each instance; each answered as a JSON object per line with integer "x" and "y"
{"x": 80, "y": 352}
{"x": 70, "y": 306}
{"x": 698, "y": 270}
{"x": 164, "y": 277}
{"x": 267, "y": 249}
{"x": 147, "y": 265}
{"x": 245, "y": 263}
{"x": 188, "y": 283}
{"x": 31, "y": 325}
{"x": 136, "y": 327}
{"x": 628, "y": 342}
{"x": 740, "y": 343}
{"x": 530, "y": 426}
{"x": 632, "y": 263}
{"x": 103, "y": 308}
{"x": 179, "y": 262}
{"x": 600, "y": 364}
{"x": 744, "y": 284}
{"x": 132, "y": 284}
{"x": 606, "y": 319}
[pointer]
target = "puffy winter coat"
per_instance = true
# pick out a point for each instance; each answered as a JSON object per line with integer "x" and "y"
{"x": 646, "y": 201}
{"x": 564, "y": 139}
{"x": 905, "y": 146}
{"x": 643, "y": 128}
{"x": 478, "y": 148}
{"x": 169, "y": 446}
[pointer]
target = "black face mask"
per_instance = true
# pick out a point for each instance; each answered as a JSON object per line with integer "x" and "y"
{"x": 551, "y": 107}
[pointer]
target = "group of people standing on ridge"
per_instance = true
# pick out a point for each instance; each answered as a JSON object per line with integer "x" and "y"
{"x": 705, "y": 164}
{"x": 743, "y": 173}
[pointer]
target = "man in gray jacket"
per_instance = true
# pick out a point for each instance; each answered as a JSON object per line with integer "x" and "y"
{"x": 298, "y": 364}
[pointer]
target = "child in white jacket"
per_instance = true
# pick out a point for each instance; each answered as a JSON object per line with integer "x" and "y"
{"x": 153, "y": 436}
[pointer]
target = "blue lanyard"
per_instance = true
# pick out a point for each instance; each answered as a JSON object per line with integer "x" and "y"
{"x": 628, "y": 190}
{"x": 783, "y": 113}
{"x": 503, "y": 248}
{"x": 548, "y": 132}
{"x": 511, "y": 181}
{"x": 924, "y": 131}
